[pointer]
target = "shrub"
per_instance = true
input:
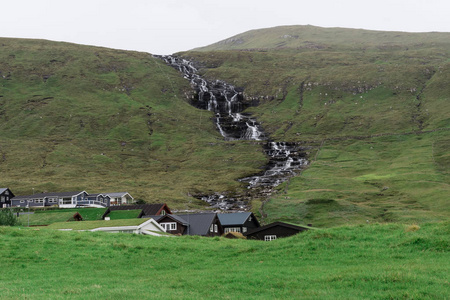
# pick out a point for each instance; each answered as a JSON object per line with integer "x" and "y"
{"x": 7, "y": 218}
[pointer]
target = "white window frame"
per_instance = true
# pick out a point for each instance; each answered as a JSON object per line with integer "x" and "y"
{"x": 270, "y": 237}
{"x": 244, "y": 229}
{"x": 169, "y": 226}
{"x": 216, "y": 228}
{"x": 211, "y": 229}
{"x": 232, "y": 229}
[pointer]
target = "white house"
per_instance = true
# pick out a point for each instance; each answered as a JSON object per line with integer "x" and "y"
{"x": 136, "y": 226}
{"x": 150, "y": 227}
{"x": 120, "y": 198}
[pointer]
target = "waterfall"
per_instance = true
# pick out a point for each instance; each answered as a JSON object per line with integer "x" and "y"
{"x": 227, "y": 103}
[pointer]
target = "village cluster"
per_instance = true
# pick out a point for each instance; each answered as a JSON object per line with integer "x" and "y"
{"x": 150, "y": 219}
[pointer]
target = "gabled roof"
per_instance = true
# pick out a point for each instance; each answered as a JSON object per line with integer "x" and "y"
{"x": 2, "y": 190}
{"x": 118, "y": 194}
{"x": 43, "y": 195}
{"x": 199, "y": 224}
{"x": 274, "y": 224}
{"x": 149, "y": 209}
{"x": 175, "y": 218}
{"x": 228, "y": 219}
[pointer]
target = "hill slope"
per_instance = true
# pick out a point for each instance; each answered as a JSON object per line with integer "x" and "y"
{"x": 86, "y": 118}
{"x": 374, "y": 107}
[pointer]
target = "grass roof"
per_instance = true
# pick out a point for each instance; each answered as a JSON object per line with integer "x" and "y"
{"x": 45, "y": 219}
{"x": 88, "y": 213}
{"x": 88, "y": 225}
{"x": 124, "y": 214}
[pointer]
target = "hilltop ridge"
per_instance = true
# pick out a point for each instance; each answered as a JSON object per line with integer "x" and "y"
{"x": 321, "y": 38}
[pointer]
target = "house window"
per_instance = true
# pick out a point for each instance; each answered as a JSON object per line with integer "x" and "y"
{"x": 211, "y": 229}
{"x": 3, "y": 199}
{"x": 270, "y": 237}
{"x": 38, "y": 201}
{"x": 169, "y": 226}
{"x": 66, "y": 200}
{"x": 232, "y": 229}
{"x": 216, "y": 228}
{"x": 163, "y": 213}
{"x": 244, "y": 229}
{"x": 22, "y": 201}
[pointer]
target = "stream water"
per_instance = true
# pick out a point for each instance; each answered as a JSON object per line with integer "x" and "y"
{"x": 228, "y": 105}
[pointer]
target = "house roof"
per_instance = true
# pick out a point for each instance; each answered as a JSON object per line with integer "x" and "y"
{"x": 149, "y": 209}
{"x": 228, "y": 219}
{"x": 43, "y": 195}
{"x": 118, "y": 194}
{"x": 282, "y": 224}
{"x": 2, "y": 190}
{"x": 199, "y": 224}
{"x": 176, "y": 218}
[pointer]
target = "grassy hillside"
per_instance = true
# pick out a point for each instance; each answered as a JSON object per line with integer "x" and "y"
{"x": 354, "y": 262}
{"x": 318, "y": 38}
{"x": 374, "y": 108}
{"x": 371, "y": 107}
{"x": 86, "y": 118}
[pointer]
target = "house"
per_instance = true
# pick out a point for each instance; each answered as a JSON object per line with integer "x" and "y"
{"x": 61, "y": 199}
{"x": 148, "y": 209}
{"x": 204, "y": 224}
{"x": 238, "y": 222}
{"x": 96, "y": 200}
{"x": 136, "y": 226}
{"x": 120, "y": 198}
{"x": 172, "y": 223}
{"x": 274, "y": 230}
{"x": 5, "y": 197}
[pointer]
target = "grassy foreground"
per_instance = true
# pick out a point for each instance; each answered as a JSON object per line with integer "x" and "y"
{"x": 355, "y": 262}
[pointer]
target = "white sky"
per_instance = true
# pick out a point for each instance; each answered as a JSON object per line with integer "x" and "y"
{"x": 168, "y": 26}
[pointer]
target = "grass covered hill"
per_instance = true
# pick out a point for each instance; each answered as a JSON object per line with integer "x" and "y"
{"x": 77, "y": 117}
{"x": 374, "y": 106}
{"x": 312, "y": 37}
{"x": 388, "y": 261}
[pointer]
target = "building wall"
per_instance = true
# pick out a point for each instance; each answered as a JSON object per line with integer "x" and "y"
{"x": 181, "y": 229}
{"x": 219, "y": 232}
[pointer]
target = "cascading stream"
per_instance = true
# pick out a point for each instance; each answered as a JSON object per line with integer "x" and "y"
{"x": 227, "y": 103}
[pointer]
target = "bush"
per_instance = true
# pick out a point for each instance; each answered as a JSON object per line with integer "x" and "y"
{"x": 7, "y": 218}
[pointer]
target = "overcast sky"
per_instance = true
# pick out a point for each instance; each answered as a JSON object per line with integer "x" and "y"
{"x": 168, "y": 26}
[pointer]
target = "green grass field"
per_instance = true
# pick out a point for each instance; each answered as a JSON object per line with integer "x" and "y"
{"x": 378, "y": 261}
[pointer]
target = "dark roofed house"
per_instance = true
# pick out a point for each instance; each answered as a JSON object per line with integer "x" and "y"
{"x": 274, "y": 230}
{"x": 238, "y": 222}
{"x": 204, "y": 224}
{"x": 173, "y": 224}
{"x": 148, "y": 209}
{"x": 5, "y": 197}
